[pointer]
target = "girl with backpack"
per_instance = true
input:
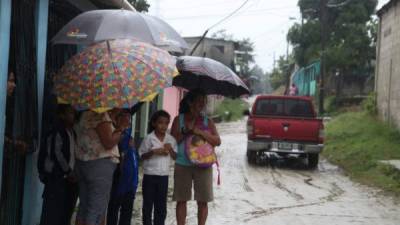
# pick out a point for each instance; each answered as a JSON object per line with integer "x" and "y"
{"x": 191, "y": 122}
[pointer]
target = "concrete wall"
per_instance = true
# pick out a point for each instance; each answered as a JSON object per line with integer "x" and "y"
{"x": 220, "y": 50}
{"x": 387, "y": 79}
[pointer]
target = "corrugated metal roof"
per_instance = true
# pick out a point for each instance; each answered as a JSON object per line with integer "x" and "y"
{"x": 208, "y": 38}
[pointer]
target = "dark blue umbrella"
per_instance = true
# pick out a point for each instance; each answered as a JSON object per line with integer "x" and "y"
{"x": 102, "y": 25}
{"x": 209, "y": 75}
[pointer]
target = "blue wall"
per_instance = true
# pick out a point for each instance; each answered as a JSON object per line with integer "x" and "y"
{"x": 5, "y": 22}
{"x": 33, "y": 188}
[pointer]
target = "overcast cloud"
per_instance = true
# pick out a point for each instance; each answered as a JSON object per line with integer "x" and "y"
{"x": 265, "y": 22}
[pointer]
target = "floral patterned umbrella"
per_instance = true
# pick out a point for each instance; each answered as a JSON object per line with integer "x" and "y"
{"x": 114, "y": 74}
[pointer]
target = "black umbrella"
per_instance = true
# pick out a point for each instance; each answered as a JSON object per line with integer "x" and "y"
{"x": 209, "y": 75}
{"x": 102, "y": 25}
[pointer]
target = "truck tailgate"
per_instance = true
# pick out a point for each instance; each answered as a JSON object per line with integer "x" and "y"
{"x": 288, "y": 129}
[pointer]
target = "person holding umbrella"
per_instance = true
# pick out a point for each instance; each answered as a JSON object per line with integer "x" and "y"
{"x": 97, "y": 157}
{"x": 188, "y": 122}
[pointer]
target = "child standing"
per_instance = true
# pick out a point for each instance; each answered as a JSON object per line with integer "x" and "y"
{"x": 125, "y": 182}
{"x": 55, "y": 165}
{"x": 156, "y": 150}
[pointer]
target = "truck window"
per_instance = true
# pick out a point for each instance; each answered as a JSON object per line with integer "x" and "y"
{"x": 270, "y": 107}
{"x": 298, "y": 108}
{"x": 284, "y": 107}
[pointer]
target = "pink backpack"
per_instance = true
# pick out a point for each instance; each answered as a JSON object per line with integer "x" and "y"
{"x": 199, "y": 151}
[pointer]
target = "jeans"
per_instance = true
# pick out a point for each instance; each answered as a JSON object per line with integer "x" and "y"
{"x": 155, "y": 189}
{"x": 121, "y": 206}
{"x": 59, "y": 199}
{"x": 95, "y": 181}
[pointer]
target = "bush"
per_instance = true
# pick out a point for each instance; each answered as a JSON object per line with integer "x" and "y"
{"x": 357, "y": 142}
{"x": 231, "y": 109}
{"x": 330, "y": 104}
{"x": 369, "y": 104}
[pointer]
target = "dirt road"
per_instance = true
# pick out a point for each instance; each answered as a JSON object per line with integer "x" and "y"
{"x": 285, "y": 194}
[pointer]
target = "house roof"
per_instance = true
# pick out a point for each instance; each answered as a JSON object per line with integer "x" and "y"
{"x": 207, "y": 38}
{"x": 386, "y": 7}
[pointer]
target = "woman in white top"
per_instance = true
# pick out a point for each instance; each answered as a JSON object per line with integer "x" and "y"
{"x": 156, "y": 151}
{"x": 97, "y": 156}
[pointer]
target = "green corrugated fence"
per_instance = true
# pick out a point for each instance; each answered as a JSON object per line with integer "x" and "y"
{"x": 306, "y": 79}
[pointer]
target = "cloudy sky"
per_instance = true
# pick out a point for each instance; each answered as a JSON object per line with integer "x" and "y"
{"x": 265, "y": 22}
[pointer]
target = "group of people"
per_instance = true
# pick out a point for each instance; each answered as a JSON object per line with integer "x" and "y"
{"x": 93, "y": 158}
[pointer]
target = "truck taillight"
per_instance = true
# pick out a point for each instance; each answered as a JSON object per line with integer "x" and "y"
{"x": 321, "y": 134}
{"x": 250, "y": 129}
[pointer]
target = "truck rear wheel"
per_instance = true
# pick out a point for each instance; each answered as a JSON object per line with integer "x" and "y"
{"x": 313, "y": 161}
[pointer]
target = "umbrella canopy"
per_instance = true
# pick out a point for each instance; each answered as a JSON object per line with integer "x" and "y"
{"x": 100, "y": 25}
{"x": 95, "y": 79}
{"x": 210, "y": 75}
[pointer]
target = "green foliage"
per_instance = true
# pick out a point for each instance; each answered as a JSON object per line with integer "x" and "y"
{"x": 357, "y": 141}
{"x": 369, "y": 104}
{"x": 245, "y": 48}
{"x": 246, "y": 56}
{"x": 231, "y": 109}
{"x": 140, "y": 5}
{"x": 279, "y": 75}
{"x": 330, "y": 104}
{"x": 351, "y": 35}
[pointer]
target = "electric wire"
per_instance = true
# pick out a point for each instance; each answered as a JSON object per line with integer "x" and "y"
{"x": 230, "y": 15}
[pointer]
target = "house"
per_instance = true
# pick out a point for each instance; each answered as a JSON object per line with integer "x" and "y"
{"x": 218, "y": 49}
{"x": 387, "y": 74}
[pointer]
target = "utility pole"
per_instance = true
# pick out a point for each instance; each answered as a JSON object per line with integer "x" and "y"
{"x": 287, "y": 68}
{"x": 274, "y": 61}
{"x": 324, "y": 35}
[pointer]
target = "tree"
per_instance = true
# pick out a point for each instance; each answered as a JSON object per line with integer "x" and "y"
{"x": 259, "y": 81}
{"x": 244, "y": 52}
{"x": 350, "y": 30}
{"x": 140, "y": 5}
{"x": 245, "y": 56}
{"x": 279, "y": 75}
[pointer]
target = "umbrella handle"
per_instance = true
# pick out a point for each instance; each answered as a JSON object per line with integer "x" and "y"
{"x": 116, "y": 71}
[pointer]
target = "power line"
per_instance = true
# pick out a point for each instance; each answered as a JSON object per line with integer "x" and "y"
{"x": 216, "y": 24}
{"x": 194, "y": 6}
{"x": 230, "y": 15}
{"x": 249, "y": 13}
{"x": 269, "y": 30}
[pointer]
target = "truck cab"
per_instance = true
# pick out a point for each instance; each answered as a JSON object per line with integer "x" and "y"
{"x": 285, "y": 125}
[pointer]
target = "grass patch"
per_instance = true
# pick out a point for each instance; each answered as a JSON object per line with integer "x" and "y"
{"x": 357, "y": 141}
{"x": 231, "y": 109}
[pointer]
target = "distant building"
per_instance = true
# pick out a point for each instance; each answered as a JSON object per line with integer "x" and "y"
{"x": 220, "y": 50}
{"x": 217, "y": 49}
{"x": 387, "y": 78}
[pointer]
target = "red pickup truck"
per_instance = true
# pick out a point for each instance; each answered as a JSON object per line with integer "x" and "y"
{"x": 284, "y": 125}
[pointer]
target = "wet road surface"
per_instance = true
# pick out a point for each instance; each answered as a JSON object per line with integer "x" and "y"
{"x": 285, "y": 193}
